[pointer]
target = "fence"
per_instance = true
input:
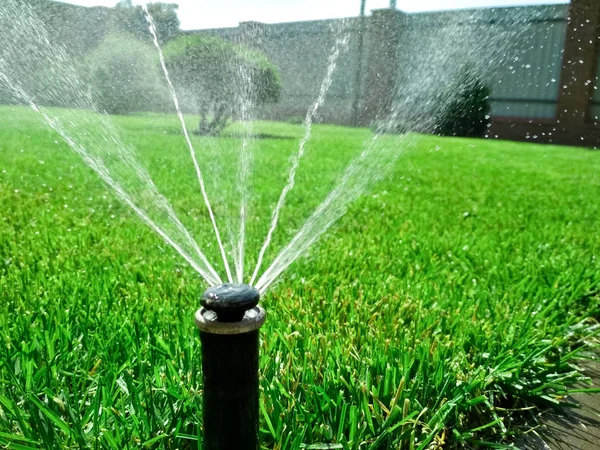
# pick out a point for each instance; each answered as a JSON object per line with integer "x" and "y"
{"x": 520, "y": 52}
{"x": 526, "y": 86}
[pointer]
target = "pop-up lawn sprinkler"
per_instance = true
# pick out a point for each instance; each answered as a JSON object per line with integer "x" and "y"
{"x": 229, "y": 321}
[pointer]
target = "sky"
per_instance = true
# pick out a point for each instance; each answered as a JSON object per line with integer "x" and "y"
{"x": 200, "y": 14}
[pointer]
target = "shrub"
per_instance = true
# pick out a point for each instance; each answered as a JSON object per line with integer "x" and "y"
{"x": 218, "y": 76}
{"x": 123, "y": 73}
{"x": 464, "y": 109}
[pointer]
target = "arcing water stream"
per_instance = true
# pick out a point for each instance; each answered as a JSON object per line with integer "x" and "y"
{"x": 341, "y": 44}
{"x": 152, "y": 28}
{"x": 95, "y": 138}
{"x": 92, "y": 135}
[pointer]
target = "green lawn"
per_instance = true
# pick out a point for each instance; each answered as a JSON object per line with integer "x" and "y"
{"x": 460, "y": 289}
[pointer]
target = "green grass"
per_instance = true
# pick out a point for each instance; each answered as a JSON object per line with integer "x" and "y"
{"x": 460, "y": 290}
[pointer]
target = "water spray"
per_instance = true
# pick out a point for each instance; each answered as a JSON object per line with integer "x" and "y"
{"x": 229, "y": 321}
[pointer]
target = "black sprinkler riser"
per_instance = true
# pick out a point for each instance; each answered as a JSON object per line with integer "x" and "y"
{"x": 229, "y": 322}
{"x": 230, "y": 374}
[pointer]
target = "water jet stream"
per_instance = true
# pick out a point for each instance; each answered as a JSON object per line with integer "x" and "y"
{"x": 96, "y": 140}
{"x": 243, "y": 171}
{"x": 245, "y": 93}
{"x": 420, "y": 85}
{"x": 341, "y": 44}
{"x": 362, "y": 172}
{"x": 91, "y": 134}
{"x": 152, "y": 29}
{"x": 100, "y": 168}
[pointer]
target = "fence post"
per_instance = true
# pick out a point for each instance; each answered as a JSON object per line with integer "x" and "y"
{"x": 580, "y": 62}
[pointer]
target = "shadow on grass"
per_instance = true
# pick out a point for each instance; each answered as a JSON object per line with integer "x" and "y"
{"x": 234, "y": 135}
{"x": 257, "y": 136}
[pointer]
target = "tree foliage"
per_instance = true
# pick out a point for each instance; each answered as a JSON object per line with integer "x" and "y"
{"x": 124, "y": 76}
{"x": 464, "y": 108}
{"x": 219, "y": 76}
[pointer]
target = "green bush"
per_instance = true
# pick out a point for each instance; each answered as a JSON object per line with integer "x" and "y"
{"x": 218, "y": 77}
{"x": 124, "y": 76}
{"x": 464, "y": 108}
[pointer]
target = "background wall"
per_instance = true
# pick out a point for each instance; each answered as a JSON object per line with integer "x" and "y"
{"x": 301, "y": 51}
{"x": 541, "y": 63}
{"x": 519, "y": 50}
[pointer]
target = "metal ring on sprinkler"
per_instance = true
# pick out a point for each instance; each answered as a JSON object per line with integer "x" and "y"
{"x": 206, "y": 321}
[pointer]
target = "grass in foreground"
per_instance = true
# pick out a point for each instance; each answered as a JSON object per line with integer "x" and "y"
{"x": 458, "y": 292}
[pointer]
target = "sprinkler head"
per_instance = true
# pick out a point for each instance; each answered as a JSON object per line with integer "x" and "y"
{"x": 230, "y": 309}
{"x": 230, "y": 301}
